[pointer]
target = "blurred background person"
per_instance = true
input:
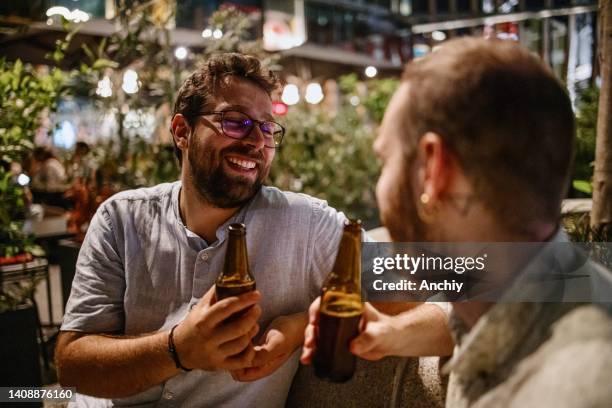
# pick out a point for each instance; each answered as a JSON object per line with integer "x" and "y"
{"x": 48, "y": 178}
{"x": 80, "y": 167}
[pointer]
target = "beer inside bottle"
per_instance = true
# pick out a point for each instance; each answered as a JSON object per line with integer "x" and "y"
{"x": 236, "y": 277}
{"x": 340, "y": 310}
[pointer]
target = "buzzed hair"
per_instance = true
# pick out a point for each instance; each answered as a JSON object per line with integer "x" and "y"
{"x": 505, "y": 117}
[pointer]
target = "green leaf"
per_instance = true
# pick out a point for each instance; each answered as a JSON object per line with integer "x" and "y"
{"x": 583, "y": 186}
{"x": 88, "y": 52}
{"x": 102, "y": 63}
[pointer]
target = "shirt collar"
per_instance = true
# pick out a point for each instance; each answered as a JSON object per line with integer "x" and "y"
{"x": 499, "y": 333}
{"x": 194, "y": 240}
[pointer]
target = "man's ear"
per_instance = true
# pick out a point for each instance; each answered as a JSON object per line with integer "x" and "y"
{"x": 180, "y": 131}
{"x": 436, "y": 166}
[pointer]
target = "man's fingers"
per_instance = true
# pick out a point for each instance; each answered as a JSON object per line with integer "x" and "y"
{"x": 310, "y": 342}
{"x": 236, "y": 346}
{"x": 266, "y": 357}
{"x": 257, "y": 372}
{"x": 253, "y": 331}
{"x": 239, "y": 361}
{"x": 262, "y": 356}
{"x": 228, "y": 306}
{"x": 313, "y": 311}
{"x": 243, "y": 325}
{"x": 362, "y": 343}
{"x": 268, "y": 351}
{"x": 208, "y": 299}
{"x": 309, "y": 336}
{"x": 371, "y": 356}
{"x": 238, "y": 374}
{"x": 306, "y": 357}
{"x": 370, "y": 313}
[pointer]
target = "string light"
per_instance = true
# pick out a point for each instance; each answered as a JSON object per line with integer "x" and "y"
{"x": 291, "y": 94}
{"x": 130, "y": 81}
{"x": 181, "y": 53}
{"x": 314, "y": 93}
{"x": 371, "y": 71}
{"x": 105, "y": 87}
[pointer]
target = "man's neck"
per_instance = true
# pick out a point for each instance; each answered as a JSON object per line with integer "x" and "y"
{"x": 201, "y": 217}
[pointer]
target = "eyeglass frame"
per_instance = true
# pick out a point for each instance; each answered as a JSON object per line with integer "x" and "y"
{"x": 255, "y": 122}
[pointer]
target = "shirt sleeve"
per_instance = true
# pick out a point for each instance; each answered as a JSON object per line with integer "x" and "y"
{"x": 325, "y": 233}
{"x": 96, "y": 299}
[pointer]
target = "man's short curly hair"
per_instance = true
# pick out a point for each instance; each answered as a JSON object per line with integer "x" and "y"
{"x": 198, "y": 91}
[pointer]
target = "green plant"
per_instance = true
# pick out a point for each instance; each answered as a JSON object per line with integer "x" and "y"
{"x": 27, "y": 94}
{"x": 16, "y": 295}
{"x": 578, "y": 228}
{"x": 584, "y": 148}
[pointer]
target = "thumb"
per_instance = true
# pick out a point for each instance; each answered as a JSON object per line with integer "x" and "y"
{"x": 268, "y": 349}
{"x": 369, "y": 314}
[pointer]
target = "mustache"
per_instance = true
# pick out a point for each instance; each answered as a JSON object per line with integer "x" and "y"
{"x": 245, "y": 151}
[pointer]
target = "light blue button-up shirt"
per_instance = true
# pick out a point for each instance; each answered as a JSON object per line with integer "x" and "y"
{"x": 140, "y": 270}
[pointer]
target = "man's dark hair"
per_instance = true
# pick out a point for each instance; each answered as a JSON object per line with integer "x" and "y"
{"x": 198, "y": 91}
{"x": 505, "y": 116}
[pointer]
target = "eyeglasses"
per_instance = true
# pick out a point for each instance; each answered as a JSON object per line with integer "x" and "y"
{"x": 238, "y": 125}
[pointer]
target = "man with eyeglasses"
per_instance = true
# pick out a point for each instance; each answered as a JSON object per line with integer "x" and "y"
{"x": 149, "y": 261}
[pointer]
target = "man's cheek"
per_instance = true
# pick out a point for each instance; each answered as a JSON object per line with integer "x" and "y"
{"x": 383, "y": 188}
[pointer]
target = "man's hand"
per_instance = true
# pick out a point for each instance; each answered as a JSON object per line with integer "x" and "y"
{"x": 283, "y": 336}
{"x": 380, "y": 335}
{"x": 205, "y": 340}
{"x": 420, "y": 331}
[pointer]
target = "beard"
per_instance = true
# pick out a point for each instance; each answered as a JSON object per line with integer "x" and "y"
{"x": 213, "y": 184}
{"x": 401, "y": 216}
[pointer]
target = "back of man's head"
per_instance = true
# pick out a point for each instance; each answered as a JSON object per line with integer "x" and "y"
{"x": 505, "y": 117}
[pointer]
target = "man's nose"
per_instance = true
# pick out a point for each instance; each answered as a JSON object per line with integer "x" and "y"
{"x": 255, "y": 138}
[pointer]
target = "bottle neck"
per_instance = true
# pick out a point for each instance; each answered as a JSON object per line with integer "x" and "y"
{"x": 348, "y": 262}
{"x": 236, "y": 258}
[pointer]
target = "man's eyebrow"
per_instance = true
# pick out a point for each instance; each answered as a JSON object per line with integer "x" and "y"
{"x": 244, "y": 109}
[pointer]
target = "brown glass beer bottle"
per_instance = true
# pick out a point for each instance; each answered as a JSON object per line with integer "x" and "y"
{"x": 236, "y": 277}
{"x": 340, "y": 310}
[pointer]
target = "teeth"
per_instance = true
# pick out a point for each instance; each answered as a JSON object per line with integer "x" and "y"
{"x": 247, "y": 164}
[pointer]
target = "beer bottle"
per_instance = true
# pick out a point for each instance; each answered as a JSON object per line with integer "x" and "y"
{"x": 340, "y": 309}
{"x": 236, "y": 277}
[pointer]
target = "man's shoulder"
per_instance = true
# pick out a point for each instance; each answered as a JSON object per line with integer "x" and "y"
{"x": 572, "y": 368}
{"x": 583, "y": 323}
{"x": 125, "y": 200}
{"x": 154, "y": 193}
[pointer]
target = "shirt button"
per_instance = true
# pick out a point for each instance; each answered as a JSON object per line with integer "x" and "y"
{"x": 168, "y": 395}
{"x": 204, "y": 256}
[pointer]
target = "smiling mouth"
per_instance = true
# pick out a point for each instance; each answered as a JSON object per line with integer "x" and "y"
{"x": 242, "y": 164}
